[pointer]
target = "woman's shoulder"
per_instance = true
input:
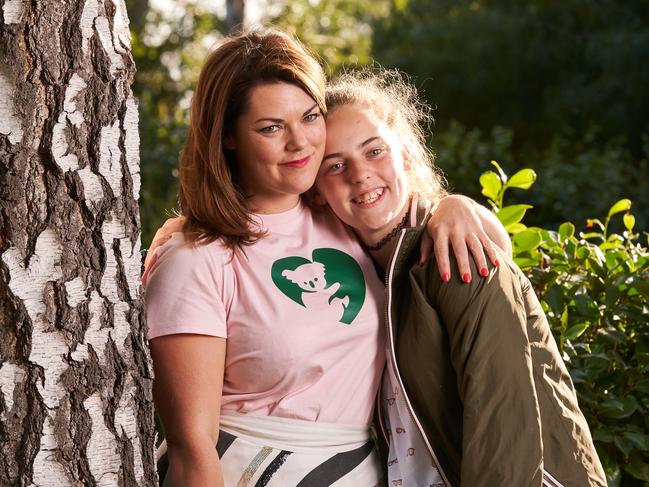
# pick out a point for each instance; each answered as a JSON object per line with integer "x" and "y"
{"x": 177, "y": 257}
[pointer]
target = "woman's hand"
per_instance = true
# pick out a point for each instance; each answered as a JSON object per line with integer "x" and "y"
{"x": 464, "y": 225}
{"x": 163, "y": 234}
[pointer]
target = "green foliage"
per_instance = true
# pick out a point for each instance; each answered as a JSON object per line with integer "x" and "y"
{"x": 168, "y": 51}
{"x": 577, "y": 171}
{"x": 594, "y": 288}
{"x": 539, "y": 67}
{"x": 338, "y": 31}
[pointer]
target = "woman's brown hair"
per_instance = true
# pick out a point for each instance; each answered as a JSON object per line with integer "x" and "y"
{"x": 211, "y": 198}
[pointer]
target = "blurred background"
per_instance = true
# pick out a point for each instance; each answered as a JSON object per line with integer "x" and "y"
{"x": 560, "y": 86}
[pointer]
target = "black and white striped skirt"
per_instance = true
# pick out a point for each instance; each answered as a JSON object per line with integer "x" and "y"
{"x": 267, "y": 451}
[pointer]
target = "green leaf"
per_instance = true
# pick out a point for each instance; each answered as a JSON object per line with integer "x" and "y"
{"x": 576, "y": 331}
{"x": 619, "y": 408}
{"x": 502, "y": 174}
{"x": 566, "y": 230}
{"x": 582, "y": 252}
{"x": 527, "y": 240}
{"x": 642, "y": 386}
{"x": 624, "y": 445}
{"x": 512, "y": 214}
{"x": 523, "y": 179}
{"x": 491, "y": 185}
{"x": 604, "y": 435}
{"x": 555, "y": 297}
{"x": 515, "y": 228}
{"x": 638, "y": 466}
{"x": 629, "y": 221}
{"x": 639, "y": 440}
{"x": 622, "y": 205}
{"x": 526, "y": 262}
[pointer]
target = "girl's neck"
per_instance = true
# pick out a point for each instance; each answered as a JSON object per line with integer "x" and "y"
{"x": 382, "y": 250}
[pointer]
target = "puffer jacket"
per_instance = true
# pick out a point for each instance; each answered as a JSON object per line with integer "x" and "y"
{"x": 483, "y": 377}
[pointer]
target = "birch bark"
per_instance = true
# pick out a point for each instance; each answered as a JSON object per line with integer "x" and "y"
{"x": 75, "y": 375}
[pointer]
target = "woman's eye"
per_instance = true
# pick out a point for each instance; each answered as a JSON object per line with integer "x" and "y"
{"x": 311, "y": 117}
{"x": 337, "y": 167}
{"x": 376, "y": 152}
{"x": 271, "y": 129}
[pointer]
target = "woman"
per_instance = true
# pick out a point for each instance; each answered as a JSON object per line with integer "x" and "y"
{"x": 475, "y": 385}
{"x": 292, "y": 290}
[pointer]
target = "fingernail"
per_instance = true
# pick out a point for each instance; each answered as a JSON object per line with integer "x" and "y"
{"x": 446, "y": 277}
{"x": 496, "y": 263}
{"x": 466, "y": 277}
{"x": 484, "y": 272}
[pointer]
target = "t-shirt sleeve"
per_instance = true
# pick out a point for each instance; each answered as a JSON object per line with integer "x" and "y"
{"x": 183, "y": 291}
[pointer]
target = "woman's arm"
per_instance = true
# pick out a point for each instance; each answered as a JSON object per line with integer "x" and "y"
{"x": 187, "y": 393}
{"x": 464, "y": 225}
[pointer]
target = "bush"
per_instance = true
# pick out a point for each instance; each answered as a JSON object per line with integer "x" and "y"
{"x": 594, "y": 288}
{"x": 576, "y": 169}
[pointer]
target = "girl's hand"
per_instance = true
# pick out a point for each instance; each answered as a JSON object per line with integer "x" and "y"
{"x": 163, "y": 234}
{"x": 466, "y": 226}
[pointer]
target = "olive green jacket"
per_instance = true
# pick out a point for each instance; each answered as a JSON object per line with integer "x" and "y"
{"x": 483, "y": 377}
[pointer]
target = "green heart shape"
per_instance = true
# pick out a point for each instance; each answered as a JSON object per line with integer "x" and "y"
{"x": 336, "y": 267}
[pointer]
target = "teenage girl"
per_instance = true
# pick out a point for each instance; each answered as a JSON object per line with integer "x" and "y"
{"x": 475, "y": 392}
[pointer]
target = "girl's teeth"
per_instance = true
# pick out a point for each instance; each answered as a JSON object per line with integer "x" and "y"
{"x": 369, "y": 197}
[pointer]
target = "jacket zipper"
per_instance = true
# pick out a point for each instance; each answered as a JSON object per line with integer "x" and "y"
{"x": 549, "y": 480}
{"x": 380, "y": 411}
{"x": 393, "y": 359}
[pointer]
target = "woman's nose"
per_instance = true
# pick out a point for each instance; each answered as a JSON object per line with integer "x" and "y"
{"x": 297, "y": 139}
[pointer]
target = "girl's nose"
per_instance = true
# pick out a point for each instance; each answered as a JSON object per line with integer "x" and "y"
{"x": 357, "y": 172}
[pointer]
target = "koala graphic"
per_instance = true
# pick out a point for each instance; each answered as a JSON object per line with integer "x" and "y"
{"x": 316, "y": 296}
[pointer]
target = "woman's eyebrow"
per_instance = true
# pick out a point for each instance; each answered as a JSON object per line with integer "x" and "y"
{"x": 279, "y": 120}
{"x": 360, "y": 146}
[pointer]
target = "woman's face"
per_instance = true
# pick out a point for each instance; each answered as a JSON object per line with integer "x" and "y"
{"x": 363, "y": 176}
{"x": 278, "y": 142}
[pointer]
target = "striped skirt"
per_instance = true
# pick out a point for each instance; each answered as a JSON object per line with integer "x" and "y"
{"x": 267, "y": 451}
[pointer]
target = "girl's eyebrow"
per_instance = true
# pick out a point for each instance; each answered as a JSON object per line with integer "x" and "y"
{"x": 360, "y": 146}
{"x": 279, "y": 120}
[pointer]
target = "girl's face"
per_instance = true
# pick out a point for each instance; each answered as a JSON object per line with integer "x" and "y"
{"x": 278, "y": 142}
{"x": 363, "y": 176}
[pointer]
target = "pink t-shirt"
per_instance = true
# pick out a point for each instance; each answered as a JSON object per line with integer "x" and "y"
{"x": 301, "y": 310}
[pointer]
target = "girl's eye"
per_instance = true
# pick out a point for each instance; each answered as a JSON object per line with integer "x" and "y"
{"x": 336, "y": 167}
{"x": 271, "y": 129}
{"x": 376, "y": 152}
{"x": 311, "y": 117}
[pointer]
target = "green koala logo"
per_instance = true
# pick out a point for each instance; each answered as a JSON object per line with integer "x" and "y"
{"x": 332, "y": 283}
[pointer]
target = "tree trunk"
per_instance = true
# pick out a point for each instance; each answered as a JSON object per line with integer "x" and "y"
{"x": 235, "y": 16}
{"x": 75, "y": 376}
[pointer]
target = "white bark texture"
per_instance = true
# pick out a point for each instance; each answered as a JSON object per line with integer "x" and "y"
{"x": 75, "y": 375}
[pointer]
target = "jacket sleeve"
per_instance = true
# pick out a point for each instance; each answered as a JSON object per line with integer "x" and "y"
{"x": 486, "y": 321}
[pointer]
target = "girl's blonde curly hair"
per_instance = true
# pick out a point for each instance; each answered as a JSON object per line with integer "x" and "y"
{"x": 394, "y": 99}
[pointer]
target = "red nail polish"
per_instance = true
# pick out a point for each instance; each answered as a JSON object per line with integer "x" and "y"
{"x": 466, "y": 277}
{"x": 446, "y": 277}
{"x": 484, "y": 272}
{"x": 496, "y": 263}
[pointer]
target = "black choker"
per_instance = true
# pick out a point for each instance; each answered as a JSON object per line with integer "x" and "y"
{"x": 402, "y": 224}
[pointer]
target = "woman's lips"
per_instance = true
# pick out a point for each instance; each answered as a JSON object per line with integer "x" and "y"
{"x": 297, "y": 163}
